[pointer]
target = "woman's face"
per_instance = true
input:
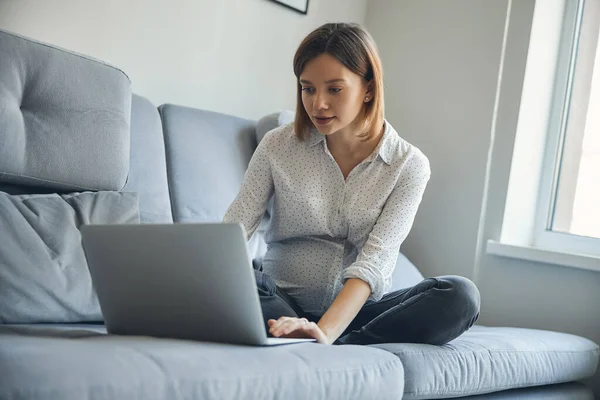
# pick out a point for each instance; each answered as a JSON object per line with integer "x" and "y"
{"x": 332, "y": 95}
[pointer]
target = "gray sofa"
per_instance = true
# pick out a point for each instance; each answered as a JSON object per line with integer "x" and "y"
{"x": 70, "y": 124}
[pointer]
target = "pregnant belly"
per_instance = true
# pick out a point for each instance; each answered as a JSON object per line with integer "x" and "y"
{"x": 303, "y": 270}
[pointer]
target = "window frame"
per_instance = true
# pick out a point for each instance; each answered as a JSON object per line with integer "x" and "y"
{"x": 580, "y": 28}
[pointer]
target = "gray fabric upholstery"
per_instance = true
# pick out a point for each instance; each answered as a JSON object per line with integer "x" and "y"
{"x": 43, "y": 363}
{"x": 405, "y": 274}
{"x": 565, "y": 391}
{"x": 148, "y": 171}
{"x": 64, "y": 118}
{"x": 43, "y": 271}
{"x": 272, "y": 121}
{"x": 207, "y": 156}
{"x": 489, "y": 359}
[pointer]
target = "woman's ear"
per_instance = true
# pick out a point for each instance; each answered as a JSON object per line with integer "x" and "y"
{"x": 369, "y": 92}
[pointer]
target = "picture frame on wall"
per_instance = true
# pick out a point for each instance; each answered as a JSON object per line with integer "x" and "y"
{"x": 300, "y": 6}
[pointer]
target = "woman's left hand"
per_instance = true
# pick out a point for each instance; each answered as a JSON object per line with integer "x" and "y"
{"x": 290, "y": 327}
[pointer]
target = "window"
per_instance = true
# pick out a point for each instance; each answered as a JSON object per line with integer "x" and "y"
{"x": 568, "y": 209}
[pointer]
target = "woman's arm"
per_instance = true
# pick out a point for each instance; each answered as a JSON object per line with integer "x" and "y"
{"x": 331, "y": 325}
{"x": 344, "y": 308}
{"x": 377, "y": 257}
{"x": 257, "y": 187}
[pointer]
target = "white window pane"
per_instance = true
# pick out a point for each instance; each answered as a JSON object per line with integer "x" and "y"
{"x": 577, "y": 206}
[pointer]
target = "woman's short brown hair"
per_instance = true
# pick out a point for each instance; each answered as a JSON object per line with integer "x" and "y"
{"x": 351, "y": 45}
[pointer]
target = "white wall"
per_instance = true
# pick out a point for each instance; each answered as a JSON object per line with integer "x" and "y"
{"x": 442, "y": 61}
{"x": 232, "y": 56}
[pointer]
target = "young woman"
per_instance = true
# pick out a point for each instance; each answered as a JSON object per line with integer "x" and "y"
{"x": 346, "y": 190}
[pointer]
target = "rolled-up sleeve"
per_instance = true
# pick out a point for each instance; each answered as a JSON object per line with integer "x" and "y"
{"x": 257, "y": 187}
{"x": 377, "y": 258}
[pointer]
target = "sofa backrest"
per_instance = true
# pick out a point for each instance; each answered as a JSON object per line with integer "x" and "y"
{"x": 207, "y": 154}
{"x": 64, "y": 119}
{"x": 148, "y": 167}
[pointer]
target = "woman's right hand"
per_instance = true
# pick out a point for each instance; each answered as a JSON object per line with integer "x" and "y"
{"x": 291, "y": 327}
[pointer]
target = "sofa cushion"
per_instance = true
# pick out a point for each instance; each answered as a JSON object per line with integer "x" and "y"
{"x": 46, "y": 362}
{"x": 562, "y": 391}
{"x": 148, "y": 170}
{"x": 272, "y": 121}
{"x": 207, "y": 157}
{"x": 405, "y": 274}
{"x": 486, "y": 359}
{"x": 64, "y": 118}
{"x": 44, "y": 275}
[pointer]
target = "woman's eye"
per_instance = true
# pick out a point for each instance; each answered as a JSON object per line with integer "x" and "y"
{"x": 308, "y": 90}
{"x": 335, "y": 90}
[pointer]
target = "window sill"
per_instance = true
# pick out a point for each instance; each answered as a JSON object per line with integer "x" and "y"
{"x": 581, "y": 261}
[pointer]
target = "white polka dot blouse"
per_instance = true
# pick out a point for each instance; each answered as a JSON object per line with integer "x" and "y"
{"x": 325, "y": 229}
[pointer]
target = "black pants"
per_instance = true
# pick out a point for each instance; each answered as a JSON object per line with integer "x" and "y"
{"x": 435, "y": 311}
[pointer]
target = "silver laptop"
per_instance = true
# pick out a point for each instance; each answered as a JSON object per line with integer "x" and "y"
{"x": 183, "y": 281}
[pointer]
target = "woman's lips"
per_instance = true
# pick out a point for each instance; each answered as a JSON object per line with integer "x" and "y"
{"x": 323, "y": 120}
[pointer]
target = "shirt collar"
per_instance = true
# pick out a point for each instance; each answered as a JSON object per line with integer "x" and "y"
{"x": 385, "y": 148}
{"x": 386, "y": 145}
{"x": 315, "y": 137}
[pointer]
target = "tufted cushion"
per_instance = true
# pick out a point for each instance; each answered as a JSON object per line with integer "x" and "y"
{"x": 64, "y": 118}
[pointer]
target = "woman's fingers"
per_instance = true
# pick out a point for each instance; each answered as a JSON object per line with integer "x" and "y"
{"x": 297, "y": 328}
{"x": 285, "y": 325}
{"x": 292, "y": 325}
{"x": 275, "y": 325}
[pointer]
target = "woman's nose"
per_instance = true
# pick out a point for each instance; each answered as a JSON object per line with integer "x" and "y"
{"x": 320, "y": 101}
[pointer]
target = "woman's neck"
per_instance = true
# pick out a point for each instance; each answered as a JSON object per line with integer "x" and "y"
{"x": 347, "y": 142}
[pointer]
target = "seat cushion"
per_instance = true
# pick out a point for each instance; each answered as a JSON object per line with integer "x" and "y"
{"x": 486, "y": 359}
{"x": 563, "y": 391}
{"x": 81, "y": 362}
